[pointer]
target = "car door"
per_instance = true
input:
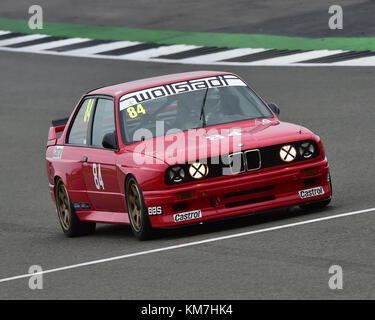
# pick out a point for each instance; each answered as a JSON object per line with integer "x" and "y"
{"x": 70, "y": 166}
{"x": 99, "y": 163}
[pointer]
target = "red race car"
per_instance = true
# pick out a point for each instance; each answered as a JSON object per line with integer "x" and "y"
{"x": 179, "y": 149}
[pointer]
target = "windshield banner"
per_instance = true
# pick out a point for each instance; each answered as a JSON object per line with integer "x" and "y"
{"x": 133, "y": 98}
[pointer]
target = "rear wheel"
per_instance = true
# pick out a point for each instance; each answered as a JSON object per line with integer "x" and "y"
{"x": 70, "y": 224}
{"x": 138, "y": 217}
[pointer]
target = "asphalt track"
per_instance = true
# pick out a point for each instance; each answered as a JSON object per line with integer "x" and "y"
{"x": 337, "y": 103}
{"x": 280, "y": 263}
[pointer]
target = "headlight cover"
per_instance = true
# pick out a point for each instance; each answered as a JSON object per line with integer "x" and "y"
{"x": 306, "y": 150}
{"x": 176, "y": 174}
{"x": 288, "y": 153}
{"x": 198, "y": 170}
{"x": 190, "y": 172}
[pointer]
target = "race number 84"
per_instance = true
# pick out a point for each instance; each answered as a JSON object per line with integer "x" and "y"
{"x": 134, "y": 112}
{"x": 96, "y": 170}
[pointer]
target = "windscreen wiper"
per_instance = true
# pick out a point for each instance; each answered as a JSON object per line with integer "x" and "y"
{"x": 202, "y": 110}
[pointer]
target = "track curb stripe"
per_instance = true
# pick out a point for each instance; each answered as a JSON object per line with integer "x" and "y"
{"x": 208, "y": 39}
{"x": 184, "y": 54}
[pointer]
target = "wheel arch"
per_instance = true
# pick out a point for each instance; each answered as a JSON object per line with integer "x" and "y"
{"x": 56, "y": 179}
{"x": 129, "y": 176}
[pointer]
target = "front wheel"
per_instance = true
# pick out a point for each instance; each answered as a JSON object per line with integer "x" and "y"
{"x": 70, "y": 224}
{"x": 138, "y": 217}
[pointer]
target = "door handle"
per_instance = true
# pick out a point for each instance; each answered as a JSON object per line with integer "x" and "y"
{"x": 84, "y": 159}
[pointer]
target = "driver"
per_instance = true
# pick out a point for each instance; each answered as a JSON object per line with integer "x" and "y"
{"x": 213, "y": 108}
{"x": 187, "y": 112}
{"x": 189, "y": 109}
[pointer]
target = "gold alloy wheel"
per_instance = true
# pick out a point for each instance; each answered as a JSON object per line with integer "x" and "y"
{"x": 135, "y": 207}
{"x": 63, "y": 206}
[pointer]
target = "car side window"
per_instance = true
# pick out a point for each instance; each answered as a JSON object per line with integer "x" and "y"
{"x": 78, "y": 131}
{"x": 104, "y": 121}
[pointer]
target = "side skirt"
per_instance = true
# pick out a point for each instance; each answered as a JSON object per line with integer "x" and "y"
{"x": 103, "y": 217}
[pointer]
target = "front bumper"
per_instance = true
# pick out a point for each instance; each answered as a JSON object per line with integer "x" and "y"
{"x": 239, "y": 194}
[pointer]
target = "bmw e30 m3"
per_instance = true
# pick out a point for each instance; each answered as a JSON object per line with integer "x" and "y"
{"x": 179, "y": 149}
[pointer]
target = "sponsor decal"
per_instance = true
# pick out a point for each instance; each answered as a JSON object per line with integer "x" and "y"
{"x": 57, "y": 152}
{"x": 154, "y": 211}
{"x": 135, "y": 98}
{"x": 88, "y": 110}
{"x": 191, "y": 215}
{"x": 81, "y": 206}
{"x": 313, "y": 192}
{"x": 262, "y": 122}
{"x": 233, "y": 133}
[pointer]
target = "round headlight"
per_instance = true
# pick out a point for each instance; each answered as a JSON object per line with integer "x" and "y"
{"x": 288, "y": 153}
{"x": 306, "y": 150}
{"x": 198, "y": 170}
{"x": 176, "y": 174}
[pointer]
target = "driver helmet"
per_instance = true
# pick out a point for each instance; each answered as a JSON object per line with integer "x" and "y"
{"x": 213, "y": 100}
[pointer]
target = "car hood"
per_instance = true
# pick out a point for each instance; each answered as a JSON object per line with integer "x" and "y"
{"x": 188, "y": 146}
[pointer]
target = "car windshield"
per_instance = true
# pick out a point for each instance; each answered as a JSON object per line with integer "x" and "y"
{"x": 144, "y": 116}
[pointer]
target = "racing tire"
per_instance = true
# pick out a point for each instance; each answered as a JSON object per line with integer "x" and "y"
{"x": 70, "y": 224}
{"x": 319, "y": 204}
{"x": 139, "y": 221}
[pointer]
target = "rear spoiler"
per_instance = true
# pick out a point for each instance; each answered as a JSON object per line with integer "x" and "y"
{"x": 60, "y": 122}
{"x": 57, "y": 126}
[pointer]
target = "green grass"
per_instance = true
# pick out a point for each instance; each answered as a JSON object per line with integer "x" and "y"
{"x": 231, "y": 40}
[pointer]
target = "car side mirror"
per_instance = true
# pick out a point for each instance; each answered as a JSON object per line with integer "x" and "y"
{"x": 110, "y": 141}
{"x": 274, "y": 108}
